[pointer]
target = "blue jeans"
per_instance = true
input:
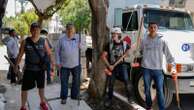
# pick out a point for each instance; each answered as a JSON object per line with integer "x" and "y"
{"x": 121, "y": 72}
{"x": 158, "y": 77}
{"x": 75, "y": 88}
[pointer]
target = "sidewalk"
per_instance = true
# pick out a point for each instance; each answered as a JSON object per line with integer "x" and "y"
{"x": 12, "y": 97}
{"x": 12, "y": 94}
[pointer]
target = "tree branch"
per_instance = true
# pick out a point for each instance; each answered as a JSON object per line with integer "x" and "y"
{"x": 36, "y": 8}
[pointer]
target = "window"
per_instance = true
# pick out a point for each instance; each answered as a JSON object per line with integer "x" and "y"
{"x": 130, "y": 21}
{"x": 168, "y": 19}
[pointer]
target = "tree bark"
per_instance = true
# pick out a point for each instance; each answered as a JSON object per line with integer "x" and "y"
{"x": 99, "y": 38}
{"x": 3, "y": 4}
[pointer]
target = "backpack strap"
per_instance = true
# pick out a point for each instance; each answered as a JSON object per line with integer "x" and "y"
{"x": 35, "y": 49}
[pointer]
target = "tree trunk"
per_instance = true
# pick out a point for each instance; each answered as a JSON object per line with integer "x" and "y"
{"x": 3, "y": 4}
{"x": 99, "y": 38}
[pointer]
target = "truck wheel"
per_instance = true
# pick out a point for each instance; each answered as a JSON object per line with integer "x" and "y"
{"x": 139, "y": 88}
{"x": 167, "y": 94}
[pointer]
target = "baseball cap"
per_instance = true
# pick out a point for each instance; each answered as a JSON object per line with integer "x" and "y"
{"x": 44, "y": 31}
{"x": 116, "y": 30}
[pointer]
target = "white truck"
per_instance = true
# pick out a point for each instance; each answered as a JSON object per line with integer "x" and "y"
{"x": 176, "y": 27}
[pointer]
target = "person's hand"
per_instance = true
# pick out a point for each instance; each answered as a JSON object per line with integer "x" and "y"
{"x": 52, "y": 67}
{"x": 174, "y": 73}
{"x": 111, "y": 67}
{"x": 16, "y": 69}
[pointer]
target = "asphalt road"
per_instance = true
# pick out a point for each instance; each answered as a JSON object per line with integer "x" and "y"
{"x": 187, "y": 102}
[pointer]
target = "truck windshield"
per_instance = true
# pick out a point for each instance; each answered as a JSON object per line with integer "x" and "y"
{"x": 168, "y": 19}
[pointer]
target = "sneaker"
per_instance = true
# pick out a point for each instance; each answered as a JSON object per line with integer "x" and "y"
{"x": 23, "y": 108}
{"x": 43, "y": 106}
{"x": 63, "y": 101}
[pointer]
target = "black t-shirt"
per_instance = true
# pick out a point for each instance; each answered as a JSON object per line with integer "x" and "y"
{"x": 115, "y": 51}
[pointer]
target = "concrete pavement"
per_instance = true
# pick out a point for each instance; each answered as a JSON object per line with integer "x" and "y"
{"x": 10, "y": 100}
{"x": 12, "y": 97}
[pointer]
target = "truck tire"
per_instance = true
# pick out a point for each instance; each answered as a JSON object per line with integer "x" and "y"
{"x": 139, "y": 90}
{"x": 168, "y": 94}
{"x": 140, "y": 96}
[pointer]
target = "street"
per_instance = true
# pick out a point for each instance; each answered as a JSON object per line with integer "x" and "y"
{"x": 186, "y": 102}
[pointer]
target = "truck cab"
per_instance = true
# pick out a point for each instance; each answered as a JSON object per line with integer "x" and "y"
{"x": 176, "y": 27}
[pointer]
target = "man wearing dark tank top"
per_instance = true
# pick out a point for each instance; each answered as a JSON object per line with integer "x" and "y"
{"x": 33, "y": 73}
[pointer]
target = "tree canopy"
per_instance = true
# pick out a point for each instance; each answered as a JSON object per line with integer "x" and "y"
{"x": 21, "y": 22}
{"x": 78, "y": 12}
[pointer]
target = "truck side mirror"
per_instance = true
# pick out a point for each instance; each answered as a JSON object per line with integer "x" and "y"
{"x": 118, "y": 17}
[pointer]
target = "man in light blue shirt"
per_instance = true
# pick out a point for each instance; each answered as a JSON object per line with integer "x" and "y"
{"x": 12, "y": 51}
{"x": 67, "y": 54}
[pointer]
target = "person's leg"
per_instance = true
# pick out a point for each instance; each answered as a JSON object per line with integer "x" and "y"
{"x": 40, "y": 81}
{"x": 147, "y": 83}
{"x": 65, "y": 72}
{"x": 48, "y": 71}
{"x": 41, "y": 94}
{"x": 111, "y": 83}
{"x": 24, "y": 95}
{"x": 9, "y": 73}
{"x": 13, "y": 74}
{"x": 127, "y": 82}
{"x": 43, "y": 103}
{"x": 28, "y": 83}
{"x": 111, "y": 80}
{"x": 75, "y": 89}
{"x": 159, "y": 81}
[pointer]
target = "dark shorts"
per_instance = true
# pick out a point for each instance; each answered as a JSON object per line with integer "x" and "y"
{"x": 32, "y": 79}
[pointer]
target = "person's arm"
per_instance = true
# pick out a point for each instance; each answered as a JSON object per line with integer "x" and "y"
{"x": 10, "y": 47}
{"x": 104, "y": 58}
{"x": 20, "y": 54}
{"x": 57, "y": 54}
{"x": 169, "y": 58}
{"x": 49, "y": 53}
{"x": 49, "y": 43}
